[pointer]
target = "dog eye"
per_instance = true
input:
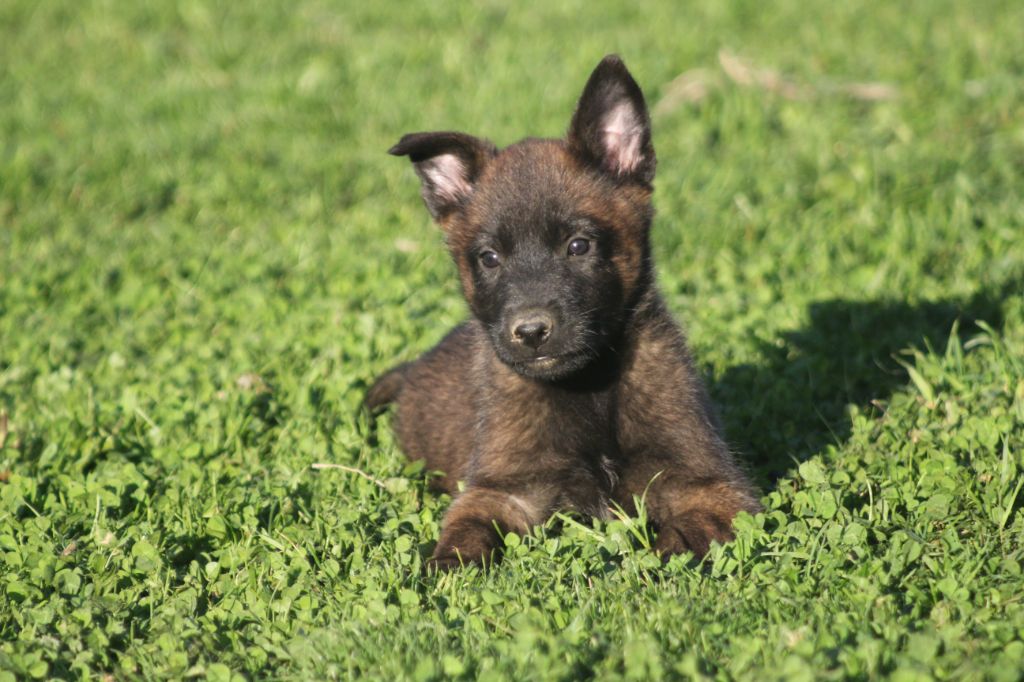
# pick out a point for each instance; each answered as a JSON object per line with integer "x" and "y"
{"x": 578, "y": 247}
{"x": 490, "y": 259}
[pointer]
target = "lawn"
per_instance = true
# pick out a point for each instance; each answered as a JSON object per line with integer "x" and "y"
{"x": 206, "y": 256}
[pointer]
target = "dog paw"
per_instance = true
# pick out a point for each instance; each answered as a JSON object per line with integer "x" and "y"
{"x": 471, "y": 549}
{"x": 466, "y": 541}
{"x": 692, "y": 532}
{"x": 453, "y": 559}
{"x": 445, "y": 563}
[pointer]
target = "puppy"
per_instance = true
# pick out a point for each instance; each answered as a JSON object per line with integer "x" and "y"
{"x": 570, "y": 387}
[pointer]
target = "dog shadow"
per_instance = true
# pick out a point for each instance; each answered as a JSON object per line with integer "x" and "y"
{"x": 792, "y": 405}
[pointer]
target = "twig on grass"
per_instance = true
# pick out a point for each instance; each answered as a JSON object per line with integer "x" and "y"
{"x": 687, "y": 88}
{"x": 695, "y": 85}
{"x": 352, "y": 470}
{"x": 744, "y": 72}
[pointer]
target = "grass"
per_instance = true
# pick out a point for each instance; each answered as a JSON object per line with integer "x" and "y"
{"x": 205, "y": 256}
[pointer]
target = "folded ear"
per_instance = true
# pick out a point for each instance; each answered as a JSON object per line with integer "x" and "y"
{"x": 448, "y": 164}
{"x": 611, "y": 128}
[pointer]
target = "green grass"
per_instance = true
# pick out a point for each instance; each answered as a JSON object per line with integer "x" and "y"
{"x": 205, "y": 256}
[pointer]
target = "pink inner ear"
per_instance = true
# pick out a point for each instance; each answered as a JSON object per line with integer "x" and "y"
{"x": 447, "y": 174}
{"x": 623, "y": 135}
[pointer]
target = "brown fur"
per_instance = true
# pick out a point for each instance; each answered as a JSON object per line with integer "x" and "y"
{"x": 633, "y": 421}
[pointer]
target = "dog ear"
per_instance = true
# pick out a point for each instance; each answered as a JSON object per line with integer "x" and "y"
{"x": 611, "y": 128}
{"x": 448, "y": 164}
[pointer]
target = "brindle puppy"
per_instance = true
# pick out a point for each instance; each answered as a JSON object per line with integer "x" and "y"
{"x": 571, "y": 387}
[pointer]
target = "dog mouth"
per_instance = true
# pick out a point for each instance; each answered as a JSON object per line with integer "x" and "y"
{"x": 550, "y": 367}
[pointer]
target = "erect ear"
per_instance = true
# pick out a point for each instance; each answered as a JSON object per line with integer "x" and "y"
{"x": 611, "y": 128}
{"x": 448, "y": 164}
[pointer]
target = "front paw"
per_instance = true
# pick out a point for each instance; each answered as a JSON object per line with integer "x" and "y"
{"x": 692, "y": 531}
{"x": 445, "y": 563}
{"x": 470, "y": 542}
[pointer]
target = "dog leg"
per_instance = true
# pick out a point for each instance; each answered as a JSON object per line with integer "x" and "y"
{"x": 473, "y": 526}
{"x": 689, "y": 513}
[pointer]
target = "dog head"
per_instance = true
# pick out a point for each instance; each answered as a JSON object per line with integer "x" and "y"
{"x": 550, "y": 236}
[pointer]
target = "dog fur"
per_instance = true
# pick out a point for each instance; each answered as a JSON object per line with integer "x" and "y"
{"x": 570, "y": 387}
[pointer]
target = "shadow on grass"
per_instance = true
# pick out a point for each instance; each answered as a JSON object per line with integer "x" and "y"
{"x": 791, "y": 406}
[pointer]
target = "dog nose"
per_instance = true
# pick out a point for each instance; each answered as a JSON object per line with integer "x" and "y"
{"x": 532, "y": 330}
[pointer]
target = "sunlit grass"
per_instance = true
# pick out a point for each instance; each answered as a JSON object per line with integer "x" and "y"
{"x": 206, "y": 255}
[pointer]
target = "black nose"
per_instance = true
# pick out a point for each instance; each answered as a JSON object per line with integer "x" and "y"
{"x": 532, "y": 330}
